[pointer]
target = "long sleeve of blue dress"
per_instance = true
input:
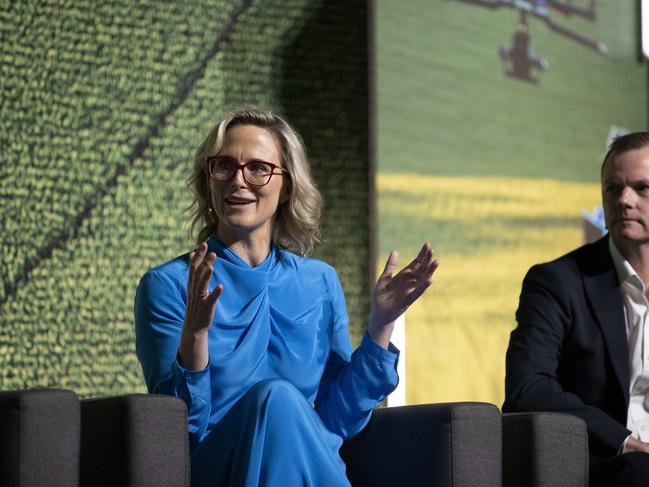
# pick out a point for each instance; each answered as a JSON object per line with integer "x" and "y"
{"x": 159, "y": 311}
{"x": 285, "y": 319}
{"x": 353, "y": 383}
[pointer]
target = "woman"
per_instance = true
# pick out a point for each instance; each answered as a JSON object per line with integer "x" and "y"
{"x": 253, "y": 337}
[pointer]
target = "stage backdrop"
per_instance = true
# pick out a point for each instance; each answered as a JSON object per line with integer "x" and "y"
{"x": 491, "y": 128}
{"x": 102, "y": 105}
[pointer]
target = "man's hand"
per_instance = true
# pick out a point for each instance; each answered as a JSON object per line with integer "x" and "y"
{"x": 634, "y": 444}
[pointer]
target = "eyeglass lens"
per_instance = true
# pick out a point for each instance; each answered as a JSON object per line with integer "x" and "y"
{"x": 253, "y": 172}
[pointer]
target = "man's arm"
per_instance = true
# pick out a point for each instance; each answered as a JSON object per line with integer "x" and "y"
{"x": 545, "y": 317}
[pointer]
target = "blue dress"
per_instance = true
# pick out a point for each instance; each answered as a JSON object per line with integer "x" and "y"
{"x": 282, "y": 388}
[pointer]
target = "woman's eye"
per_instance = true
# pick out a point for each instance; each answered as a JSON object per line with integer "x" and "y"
{"x": 258, "y": 168}
{"x": 221, "y": 165}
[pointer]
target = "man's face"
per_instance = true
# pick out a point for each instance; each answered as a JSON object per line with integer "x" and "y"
{"x": 625, "y": 196}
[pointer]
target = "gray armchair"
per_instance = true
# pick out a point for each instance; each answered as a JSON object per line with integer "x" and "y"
{"x": 544, "y": 449}
{"x": 138, "y": 440}
{"x": 50, "y": 438}
{"x": 39, "y": 438}
{"x": 454, "y": 445}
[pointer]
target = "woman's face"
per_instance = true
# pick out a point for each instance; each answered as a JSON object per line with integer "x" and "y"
{"x": 245, "y": 210}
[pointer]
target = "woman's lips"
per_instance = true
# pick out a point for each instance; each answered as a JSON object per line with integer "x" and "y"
{"x": 238, "y": 201}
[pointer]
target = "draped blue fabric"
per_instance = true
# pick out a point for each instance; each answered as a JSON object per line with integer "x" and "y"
{"x": 278, "y": 349}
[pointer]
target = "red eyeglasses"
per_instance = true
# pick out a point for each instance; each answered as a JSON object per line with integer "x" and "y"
{"x": 255, "y": 173}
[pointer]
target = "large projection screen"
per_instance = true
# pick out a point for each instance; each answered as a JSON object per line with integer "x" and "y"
{"x": 492, "y": 121}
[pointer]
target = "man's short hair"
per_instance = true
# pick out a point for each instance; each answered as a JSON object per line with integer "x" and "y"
{"x": 625, "y": 143}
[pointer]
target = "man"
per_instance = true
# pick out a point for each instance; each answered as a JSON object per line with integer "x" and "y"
{"x": 582, "y": 341}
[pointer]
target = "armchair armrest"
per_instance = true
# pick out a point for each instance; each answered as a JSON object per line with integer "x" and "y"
{"x": 441, "y": 445}
{"x": 544, "y": 449}
{"x": 138, "y": 440}
{"x": 39, "y": 444}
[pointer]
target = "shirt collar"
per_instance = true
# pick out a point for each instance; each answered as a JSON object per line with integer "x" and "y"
{"x": 625, "y": 272}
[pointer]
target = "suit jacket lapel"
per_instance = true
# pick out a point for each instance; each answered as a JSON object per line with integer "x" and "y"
{"x": 603, "y": 291}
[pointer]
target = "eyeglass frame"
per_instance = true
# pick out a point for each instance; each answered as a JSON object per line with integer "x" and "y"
{"x": 210, "y": 159}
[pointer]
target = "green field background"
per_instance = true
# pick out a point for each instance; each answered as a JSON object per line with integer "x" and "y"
{"x": 494, "y": 172}
{"x": 102, "y": 105}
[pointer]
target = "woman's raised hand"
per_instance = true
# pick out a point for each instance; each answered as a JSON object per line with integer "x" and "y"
{"x": 394, "y": 294}
{"x": 199, "y": 311}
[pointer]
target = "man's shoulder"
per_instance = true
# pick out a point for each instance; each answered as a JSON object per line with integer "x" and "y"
{"x": 591, "y": 258}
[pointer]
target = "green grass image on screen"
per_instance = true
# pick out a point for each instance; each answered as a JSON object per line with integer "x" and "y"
{"x": 109, "y": 199}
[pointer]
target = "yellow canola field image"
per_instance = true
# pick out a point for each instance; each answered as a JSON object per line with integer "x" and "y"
{"x": 487, "y": 232}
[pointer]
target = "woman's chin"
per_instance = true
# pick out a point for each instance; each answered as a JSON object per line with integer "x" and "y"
{"x": 238, "y": 228}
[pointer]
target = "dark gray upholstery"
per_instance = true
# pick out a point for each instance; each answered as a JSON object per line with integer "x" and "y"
{"x": 39, "y": 438}
{"x": 134, "y": 441}
{"x": 48, "y": 438}
{"x": 544, "y": 450}
{"x": 441, "y": 445}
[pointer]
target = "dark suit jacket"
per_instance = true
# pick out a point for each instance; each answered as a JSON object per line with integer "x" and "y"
{"x": 569, "y": 352}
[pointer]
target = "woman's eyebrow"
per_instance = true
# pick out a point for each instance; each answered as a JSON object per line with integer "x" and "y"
{"x": 223, "y": 157}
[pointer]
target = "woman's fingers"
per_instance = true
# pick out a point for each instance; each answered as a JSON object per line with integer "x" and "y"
{"x": 214, "y": 295}
{"x": 420, "y": 262}
{"x": 413, "y": 272}
{"x": 432, "y": 267}
{"x": 203, "y": 275}
{"x": 423, "y": 282}
{"x": 201, "y": 269}
{"x": 418, "y": 275}
{"x": 390, "y": 264}
{"x": 195, "y": 259}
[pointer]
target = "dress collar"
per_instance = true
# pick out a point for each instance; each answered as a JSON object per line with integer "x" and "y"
{"x": 229, "y": 255}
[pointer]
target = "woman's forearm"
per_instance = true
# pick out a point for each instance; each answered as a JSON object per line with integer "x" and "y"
{"x": 192, "y": 351}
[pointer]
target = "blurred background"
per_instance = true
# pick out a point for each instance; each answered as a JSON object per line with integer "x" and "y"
{"x": 492, "y": 123}
{"x": 476, "y": 126}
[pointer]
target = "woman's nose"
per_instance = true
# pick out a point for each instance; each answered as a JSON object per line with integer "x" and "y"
{"x": 238, "y": 179}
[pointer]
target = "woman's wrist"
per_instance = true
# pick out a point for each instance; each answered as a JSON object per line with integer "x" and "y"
{"x": 381, "y": 334}
{"x": 192, "y": 350}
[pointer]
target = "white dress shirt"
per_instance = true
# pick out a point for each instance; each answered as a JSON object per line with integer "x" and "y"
{"x": 636, "y": 316}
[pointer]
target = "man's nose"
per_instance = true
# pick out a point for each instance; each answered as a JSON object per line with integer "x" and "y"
{"x": 627, "y": 197}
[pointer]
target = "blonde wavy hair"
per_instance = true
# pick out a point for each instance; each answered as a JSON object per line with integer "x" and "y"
{"x": 297, "y": 224}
